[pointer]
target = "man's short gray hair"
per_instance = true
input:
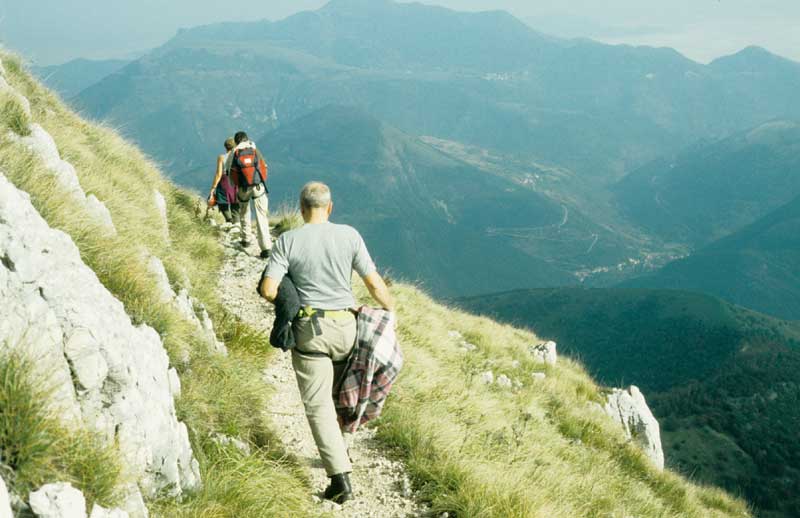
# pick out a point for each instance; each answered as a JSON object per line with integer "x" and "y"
{"x": 315, "y": 195}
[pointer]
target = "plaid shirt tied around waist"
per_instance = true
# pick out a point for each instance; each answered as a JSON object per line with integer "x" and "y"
{"x": 373, "y": 366}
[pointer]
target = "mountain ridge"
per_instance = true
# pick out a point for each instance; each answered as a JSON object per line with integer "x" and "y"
{"x": 506, "y": 88}
{"x": 754, "y": 267}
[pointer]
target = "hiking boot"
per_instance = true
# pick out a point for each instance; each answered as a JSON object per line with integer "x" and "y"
{"x": 340, "y": 490}
{"x": 245, "y": 243}
{"x": 264, "y": 254}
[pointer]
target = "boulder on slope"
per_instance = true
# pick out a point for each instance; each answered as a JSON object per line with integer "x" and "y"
{"x": 544, "y": 353}
{"x": 629, "y": 408}
{"x": 58, "y": 501}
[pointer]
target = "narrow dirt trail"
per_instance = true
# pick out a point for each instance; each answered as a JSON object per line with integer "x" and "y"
{"x": 380, "y": 485}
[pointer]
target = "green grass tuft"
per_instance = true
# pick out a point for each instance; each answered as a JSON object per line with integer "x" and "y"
{"x": 239, "y": 485}
{"x": 13, "y": 116}
{"x": 36, "y": 449}
{"x": 286, "y": 218}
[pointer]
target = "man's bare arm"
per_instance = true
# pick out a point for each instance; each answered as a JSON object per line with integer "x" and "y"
{"x": 377, "y": 288}
{"x": 269, "y": 289}
{"x": 218, "y": 176}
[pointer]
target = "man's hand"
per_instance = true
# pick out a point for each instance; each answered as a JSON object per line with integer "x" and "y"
{"x": 377, "y": 288}
{"x": 268, "y": 289}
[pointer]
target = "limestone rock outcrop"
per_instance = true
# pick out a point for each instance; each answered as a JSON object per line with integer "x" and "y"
{"x": 61, "y": 500}
{"x": 187, "y": 305}
{"x": 42, "y": 144}
{"x": 58, "y": 501}
{"x": 629, "y": 408}
{"x": 5, "y": 501}
{"x": 106, "y": 374}
{"x": 544, "y": 353}
{"x": 161, "y": 206}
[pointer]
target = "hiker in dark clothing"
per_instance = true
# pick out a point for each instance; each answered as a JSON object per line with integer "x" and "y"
{"x": 222, "y": 190}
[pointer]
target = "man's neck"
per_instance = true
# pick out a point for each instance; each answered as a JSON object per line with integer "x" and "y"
{"x": 316, "y": 219}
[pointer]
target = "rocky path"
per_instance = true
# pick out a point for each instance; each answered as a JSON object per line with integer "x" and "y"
{"x": 380, "y": 485}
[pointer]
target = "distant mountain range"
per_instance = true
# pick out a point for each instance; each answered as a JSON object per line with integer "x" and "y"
{"x": 736, "y": 201}
{"x": 721, "y": 379}
{"x": 70, "y": 78}
{"x": 484, "y": 79}
{"x": 564, "y": 118}
{"x": 715, "y": 188}
{"x": 757, "y": 267}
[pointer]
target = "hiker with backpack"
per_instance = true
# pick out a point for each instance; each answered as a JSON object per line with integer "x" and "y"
{"x": 223, "y": 192}
{"x": 248, "y": 170}
{"x": 319, "y": 258}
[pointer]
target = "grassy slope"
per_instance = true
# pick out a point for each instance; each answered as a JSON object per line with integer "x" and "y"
{"x": 538, "y": 451}
{"x": 473, "y": 450}
{"x": 219, "y": 394}
{"x": 721, "y": 379}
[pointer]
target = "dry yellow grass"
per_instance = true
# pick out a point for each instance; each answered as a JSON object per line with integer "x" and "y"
{"x": 542, "y": 449}
{"x": 219, "y": 393}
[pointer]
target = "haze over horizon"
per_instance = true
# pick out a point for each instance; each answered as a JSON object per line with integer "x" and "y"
{"x": 701, "y": 31}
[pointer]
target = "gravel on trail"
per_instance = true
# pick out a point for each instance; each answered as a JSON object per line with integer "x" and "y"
{"x": 380, "y": 485}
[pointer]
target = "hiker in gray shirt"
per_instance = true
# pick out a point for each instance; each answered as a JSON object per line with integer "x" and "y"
{"x": 320, "y": 257}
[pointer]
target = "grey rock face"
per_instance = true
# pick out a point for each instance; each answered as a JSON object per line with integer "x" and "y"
{"x": 187, "y": 305}
{"x": 156, "y": 268}
{"x": 42, "y": 144}
{"x": 58, "y": 501}
{"x": 544, "y": 353}
{"x": 133, "y": 503}
{"x": 5, "y": 501}
{"x": 161, "y": 205}
{"x": 64, "y": 501}
{"x": 629, "y": 408}
{"x": 102, "y": 512}
{"x": 225, "y": 440}
{"x": 57, "y": 312}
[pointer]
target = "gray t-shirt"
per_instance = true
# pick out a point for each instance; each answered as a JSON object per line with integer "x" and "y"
{"x": 321, "y": 258}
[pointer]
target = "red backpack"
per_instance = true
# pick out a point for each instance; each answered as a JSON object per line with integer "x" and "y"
{"x": 244, "y": 167}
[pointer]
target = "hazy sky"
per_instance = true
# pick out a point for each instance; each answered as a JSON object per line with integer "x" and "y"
{"x": 54, "y": 31}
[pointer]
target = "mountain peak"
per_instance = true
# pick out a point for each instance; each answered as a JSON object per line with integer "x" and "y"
{"x": 361, "y": 4}
{"x": 751, "y": 57}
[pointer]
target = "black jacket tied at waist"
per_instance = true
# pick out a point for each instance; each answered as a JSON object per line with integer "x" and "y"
{"x": 287, "y": 306}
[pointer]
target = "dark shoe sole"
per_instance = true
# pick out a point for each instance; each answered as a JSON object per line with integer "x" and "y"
{"x": 340, "y": 498}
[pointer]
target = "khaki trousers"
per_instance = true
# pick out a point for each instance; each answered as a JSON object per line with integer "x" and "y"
{"x": 317, "y": 373}
{"x": 258, "y": 194}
